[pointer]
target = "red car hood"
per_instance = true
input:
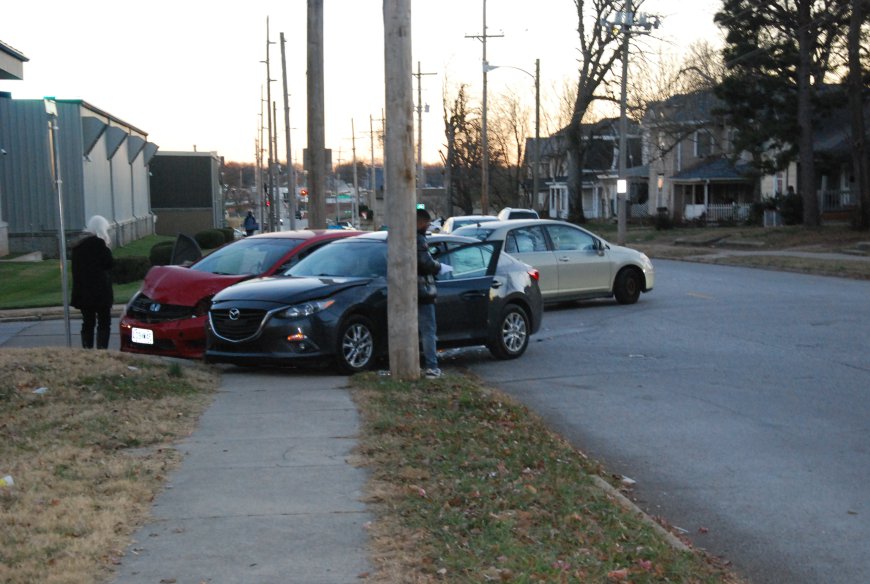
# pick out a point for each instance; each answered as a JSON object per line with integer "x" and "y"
{"x": 183, "y": 286}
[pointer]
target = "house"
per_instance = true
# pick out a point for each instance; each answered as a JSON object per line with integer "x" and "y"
{"x": 691, "y": 170}
{"x": 11, "y": 67}
{"x": 599, "y": 170}
{"x": 695, "y": 173}
{"x": 103, "y": 163}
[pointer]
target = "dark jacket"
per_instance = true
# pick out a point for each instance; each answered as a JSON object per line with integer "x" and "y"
{"x": 427, "y": 268}
{"x": 91, "y": 265}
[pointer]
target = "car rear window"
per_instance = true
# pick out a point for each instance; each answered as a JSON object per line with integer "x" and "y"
{"x": 476, "y": 231}
{"x": 247, "y": 256}
{"x": 523, "y": 215}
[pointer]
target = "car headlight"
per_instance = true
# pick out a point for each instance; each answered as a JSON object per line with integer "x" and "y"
{"x": 305, "y": 309}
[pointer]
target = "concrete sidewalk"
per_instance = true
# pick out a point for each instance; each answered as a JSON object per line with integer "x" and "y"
{"x": 264, "y": 494}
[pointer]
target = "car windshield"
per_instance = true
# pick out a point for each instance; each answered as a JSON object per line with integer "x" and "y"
{"x": 476, "y": 231}
{"x": 247, "y": 256}
{"x": 523, "y": 215}
{"x": 350, "y": 258}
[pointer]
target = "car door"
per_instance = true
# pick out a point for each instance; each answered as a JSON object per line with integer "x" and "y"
{"x": 529, "y": 244}
{"x": 462, "y": 307}
{"x": 583, "y": 268}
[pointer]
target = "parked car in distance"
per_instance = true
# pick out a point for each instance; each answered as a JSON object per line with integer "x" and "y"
{"x": 454, "y": 223}
{"x": 510, "y": 213}
{"x": 167, "y": 316}
{"x": 332, "y": 306}
{"x": 574, "y": 263}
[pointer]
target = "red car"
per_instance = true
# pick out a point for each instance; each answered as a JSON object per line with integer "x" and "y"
{"x": 167, "y": 316}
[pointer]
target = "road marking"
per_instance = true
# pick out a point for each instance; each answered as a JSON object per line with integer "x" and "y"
{"x": 700, "y": 295}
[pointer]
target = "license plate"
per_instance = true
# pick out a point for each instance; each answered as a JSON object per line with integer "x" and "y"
{"x": 143, "y": 336}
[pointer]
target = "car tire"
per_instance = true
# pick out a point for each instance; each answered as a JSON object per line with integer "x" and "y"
{"x": 510, "y": 336}
{"x": 627, "y": 287}
{"x": 355, "y": 349}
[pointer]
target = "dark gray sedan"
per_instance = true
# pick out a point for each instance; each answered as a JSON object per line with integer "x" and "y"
{"x": 333, "y": 306}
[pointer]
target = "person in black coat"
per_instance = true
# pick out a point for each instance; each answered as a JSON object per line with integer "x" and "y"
{"x": 92, "y": 283}
{"x": 427, "y": 292}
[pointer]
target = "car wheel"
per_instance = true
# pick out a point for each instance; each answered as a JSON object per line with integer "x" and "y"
{"x": 510, "y": 336}
{"x": 356, "y": 345}
{"x": 627, "y": 286}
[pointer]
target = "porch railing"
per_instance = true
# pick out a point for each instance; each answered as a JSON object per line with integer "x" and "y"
{"x": 836, "y": 200}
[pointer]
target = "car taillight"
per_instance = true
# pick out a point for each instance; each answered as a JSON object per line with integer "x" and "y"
{"x": 201, "y": 308}
{"x": 535, "y": 274}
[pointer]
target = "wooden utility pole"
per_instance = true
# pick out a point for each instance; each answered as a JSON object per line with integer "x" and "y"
{"x": 291, "y": 172}
{"x": 402, "y": 260}
{"x": 355, "y": 213}
{"x": 484, "y": 166}
{"x": 316, "y": 119}
{"x": 273, "y": 183}
{"x": 421, "y": 180}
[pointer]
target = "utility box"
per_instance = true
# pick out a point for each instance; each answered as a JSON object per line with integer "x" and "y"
{"x": 186, "y": 192}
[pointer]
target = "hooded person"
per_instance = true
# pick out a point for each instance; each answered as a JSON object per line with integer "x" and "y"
{"x": 92, "y": 284}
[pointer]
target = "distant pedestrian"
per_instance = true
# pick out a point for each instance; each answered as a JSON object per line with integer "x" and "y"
{"x": 427, "y": 292}
{"x": 92, "y": 282}
{"x": 250, "y": 223}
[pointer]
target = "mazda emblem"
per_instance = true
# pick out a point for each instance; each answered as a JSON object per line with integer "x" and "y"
{"x": 234, "y": 314}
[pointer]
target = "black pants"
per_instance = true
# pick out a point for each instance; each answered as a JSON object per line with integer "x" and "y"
{"x": 101, "y": 318}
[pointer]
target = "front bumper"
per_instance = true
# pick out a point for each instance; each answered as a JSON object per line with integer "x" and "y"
{"x": 174, "y": 338}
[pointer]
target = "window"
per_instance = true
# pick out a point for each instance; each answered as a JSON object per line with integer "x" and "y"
{"x": 703, "y": 143}
{"x": 468, "y": 262}
{"x": 566, "y": 238}
{"x": 525, "y": 240}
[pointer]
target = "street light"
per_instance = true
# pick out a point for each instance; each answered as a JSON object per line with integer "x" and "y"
{"x": 625, "y": 20}
{"x": 537, "y": 77}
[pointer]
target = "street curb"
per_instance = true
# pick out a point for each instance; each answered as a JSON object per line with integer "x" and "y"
{"x": 48, "y": 313}
{"x": 628, "y": 505}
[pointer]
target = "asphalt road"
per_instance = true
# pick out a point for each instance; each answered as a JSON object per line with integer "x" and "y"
{"x": 738, "y": 401}
{"x": 736, "y": 398}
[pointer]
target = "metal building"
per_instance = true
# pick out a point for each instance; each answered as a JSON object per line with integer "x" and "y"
{"x": 103, "y": 164}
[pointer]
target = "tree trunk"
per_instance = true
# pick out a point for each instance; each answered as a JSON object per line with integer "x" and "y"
{"x": 860, "y": 163}
{"x": 807, "y": 174}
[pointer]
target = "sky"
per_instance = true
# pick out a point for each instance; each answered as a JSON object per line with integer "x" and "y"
{"x": 191, "y": 73}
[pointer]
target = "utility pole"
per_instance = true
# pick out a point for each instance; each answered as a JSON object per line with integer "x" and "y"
{"x": 403, "y": 339}
{"x": 373, "y": 195}
{"x": 261, "y": 187}
{"x": 625, "y": 21}
{"x": 316, "y": 119}
{"x": 484, "y": 167}
{"x": 291, "y": 172}
{"x": 269, "y": 112}
{"x": 420, "y": 179}
{"x": 355, "y": 213}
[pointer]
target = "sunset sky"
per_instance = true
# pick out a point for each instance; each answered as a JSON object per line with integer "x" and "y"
{"x": 189, "y": 72}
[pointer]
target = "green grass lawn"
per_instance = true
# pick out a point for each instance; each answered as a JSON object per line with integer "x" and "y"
{"x": 38, "y": 284}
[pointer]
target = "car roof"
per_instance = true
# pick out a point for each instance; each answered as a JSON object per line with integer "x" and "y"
{"x": 523, "y": 223}
{"x": 434, "y": 238}
{"x": 305, "y": 234}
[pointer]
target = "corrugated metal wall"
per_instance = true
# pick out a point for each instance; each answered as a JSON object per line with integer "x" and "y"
{"x": 111, "y": 179}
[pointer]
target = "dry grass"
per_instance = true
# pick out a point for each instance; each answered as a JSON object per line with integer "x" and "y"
{"x": 87, "y": 437}
{"x": 468, "y": 486}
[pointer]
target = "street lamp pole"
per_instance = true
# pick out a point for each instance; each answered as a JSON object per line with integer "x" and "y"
{"x": 537, "y": 157}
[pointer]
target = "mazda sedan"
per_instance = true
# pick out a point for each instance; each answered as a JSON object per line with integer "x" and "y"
{"x": 167, "y": 315}
{"x": 575, "y": 264}
{"x": 332, "y": 306}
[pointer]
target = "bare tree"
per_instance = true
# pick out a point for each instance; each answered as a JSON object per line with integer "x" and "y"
{"x": 508, "y": 131}
{"x": 599, "y": 44}
{"x": 463, "y": 160}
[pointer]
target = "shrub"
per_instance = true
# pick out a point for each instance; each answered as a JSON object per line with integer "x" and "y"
{"x": 161, "y": 253}
{"x": 129, "y": 269}
{"x": 663, "y": 221}
{"x": 229, "y": 234}
{"x": 210, "y": 238}
{"x": 791, "y": 207}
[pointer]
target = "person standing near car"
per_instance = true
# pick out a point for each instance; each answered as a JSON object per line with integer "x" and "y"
{"x": 92, "y": 282}
{"x": 250, "y": 223}
{"x": 427, "y": 269}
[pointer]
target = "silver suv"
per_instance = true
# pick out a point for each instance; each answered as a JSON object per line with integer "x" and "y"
{"x": 510, "y": 213}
